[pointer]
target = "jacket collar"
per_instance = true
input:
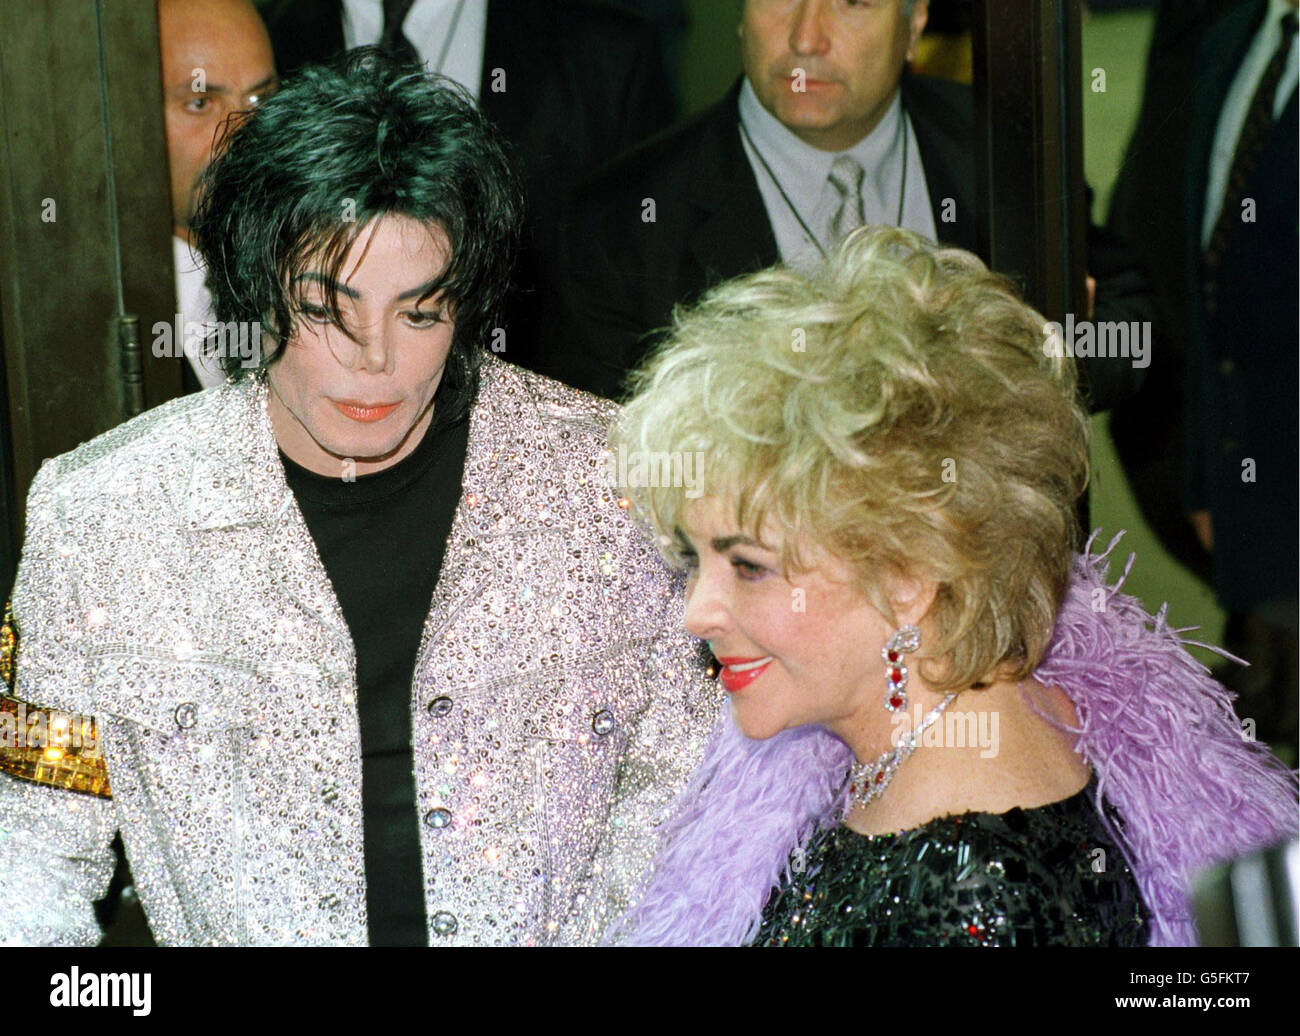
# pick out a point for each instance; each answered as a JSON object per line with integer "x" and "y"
{"x": 732, "y": 233}
{"x": 237, "y": 478}
{"x": 945, "y": 137}
{"x": 1221, "y": 51}
{"x": 507, "y": 493}
{"x": 233, "y": 486}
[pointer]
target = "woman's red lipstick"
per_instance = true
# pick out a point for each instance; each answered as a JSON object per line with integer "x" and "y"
{"x": 733, "y": 679}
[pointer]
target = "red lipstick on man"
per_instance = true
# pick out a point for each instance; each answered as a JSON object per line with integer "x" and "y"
{"x": 364, "y": 412}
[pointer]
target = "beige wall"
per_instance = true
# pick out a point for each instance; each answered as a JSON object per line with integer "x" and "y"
{"x": 711, "y": 57}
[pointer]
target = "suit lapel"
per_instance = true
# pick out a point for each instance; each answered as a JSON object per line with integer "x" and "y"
{"x": 1221, "y": 53}
{"x": 512, "y": 516}
{"x": 946, "y": 143}
{"x": 733, "y": 234}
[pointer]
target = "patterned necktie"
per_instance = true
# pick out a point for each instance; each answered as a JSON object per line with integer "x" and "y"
{"x": 846, "y": 177}
{"x": 392, "y": 40}
{"x": 1254, "y": 131}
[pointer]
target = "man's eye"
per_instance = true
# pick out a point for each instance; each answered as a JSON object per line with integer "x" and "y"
{"x": 198, "y": 104}
{"x": 316, "y": 314}
{"x": 420, "y": 318}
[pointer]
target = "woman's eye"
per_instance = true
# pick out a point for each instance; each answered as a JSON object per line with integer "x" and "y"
{"x": 747, "y": 569}
{"x": 197, "y": 104}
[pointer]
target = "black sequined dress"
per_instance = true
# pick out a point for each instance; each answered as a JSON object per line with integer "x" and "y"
{"x": 1028, "y": 877}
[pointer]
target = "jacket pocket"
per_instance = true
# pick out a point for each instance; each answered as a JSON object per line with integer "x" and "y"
{"x": 175, "y": 698}
{"x": 579, "y": 745}
{"x": 181, "y": 741}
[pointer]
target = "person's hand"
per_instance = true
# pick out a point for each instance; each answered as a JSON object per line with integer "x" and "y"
{"x": 1090, "y": 282}
{"x": 1204, "y": 527}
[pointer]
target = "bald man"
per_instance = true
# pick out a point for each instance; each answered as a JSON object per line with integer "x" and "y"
{"x": 216, "y": 64}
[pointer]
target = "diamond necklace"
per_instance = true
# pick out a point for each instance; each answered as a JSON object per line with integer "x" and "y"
{"x": 868, "y": 781}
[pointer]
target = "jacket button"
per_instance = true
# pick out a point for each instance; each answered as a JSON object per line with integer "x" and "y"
{"x": 440, "y": 706}
{"x": 1226, "y": 367}
{"x": 444, "y": 923}
{"x": 186, "y": 715}
{"x": 438, "y": 818}
{"x": 603, "y": 722}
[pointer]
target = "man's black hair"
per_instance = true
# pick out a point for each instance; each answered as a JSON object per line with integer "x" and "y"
{"x": 339, "y": 145}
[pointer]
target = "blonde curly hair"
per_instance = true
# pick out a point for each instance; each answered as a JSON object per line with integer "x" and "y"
{"x": 896, "y": 408}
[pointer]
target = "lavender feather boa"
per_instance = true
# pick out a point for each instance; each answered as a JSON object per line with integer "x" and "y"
{"x": 1158, "y": 731}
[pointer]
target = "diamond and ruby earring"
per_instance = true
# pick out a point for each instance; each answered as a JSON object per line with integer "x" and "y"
{"x": 906, "y": 639}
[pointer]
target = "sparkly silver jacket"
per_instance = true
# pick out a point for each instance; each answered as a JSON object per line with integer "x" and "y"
{"x": 169, "y": 587}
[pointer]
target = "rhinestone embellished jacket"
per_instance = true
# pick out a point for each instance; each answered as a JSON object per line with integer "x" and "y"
{"x": 169, "y": 588}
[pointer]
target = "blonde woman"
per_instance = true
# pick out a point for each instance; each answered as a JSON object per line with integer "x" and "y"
{"x": 945, "y": 728}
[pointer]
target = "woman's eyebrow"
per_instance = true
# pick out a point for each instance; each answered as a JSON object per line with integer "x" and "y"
{"x": 721, "y": 543}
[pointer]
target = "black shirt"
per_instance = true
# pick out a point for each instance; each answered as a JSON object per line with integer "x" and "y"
{"x": 381, "y": 538}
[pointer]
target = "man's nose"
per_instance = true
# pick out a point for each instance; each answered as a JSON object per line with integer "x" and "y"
{"x": 807, "y": 32}
{"x": 707, "y": 616}
{"x": 374, "y": 348}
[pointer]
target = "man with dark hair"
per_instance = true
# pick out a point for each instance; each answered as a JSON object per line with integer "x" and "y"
{"x": 570, "y": 84}
{"x": 371, "y": 651}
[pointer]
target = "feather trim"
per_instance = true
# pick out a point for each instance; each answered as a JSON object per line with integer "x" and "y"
{"x": 1157, "y": 729}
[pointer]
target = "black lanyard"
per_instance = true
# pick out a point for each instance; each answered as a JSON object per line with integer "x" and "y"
{"x": 902, "y": 190}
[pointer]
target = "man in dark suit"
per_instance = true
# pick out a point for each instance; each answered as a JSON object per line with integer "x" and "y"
{"x": 760, "y": 178}
{"x": 569, "y": 83}
{"x": 1213, "y": 435}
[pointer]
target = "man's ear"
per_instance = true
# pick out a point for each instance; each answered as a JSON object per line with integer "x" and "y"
{"x": 916, "y": 26}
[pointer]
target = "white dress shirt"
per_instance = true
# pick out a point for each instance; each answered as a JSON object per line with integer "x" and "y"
{"x": 194, "y": 305}
{"x": 426, "y": 26}
{"x": 803, "y": 172}
{"x": 1232, "y": 116}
